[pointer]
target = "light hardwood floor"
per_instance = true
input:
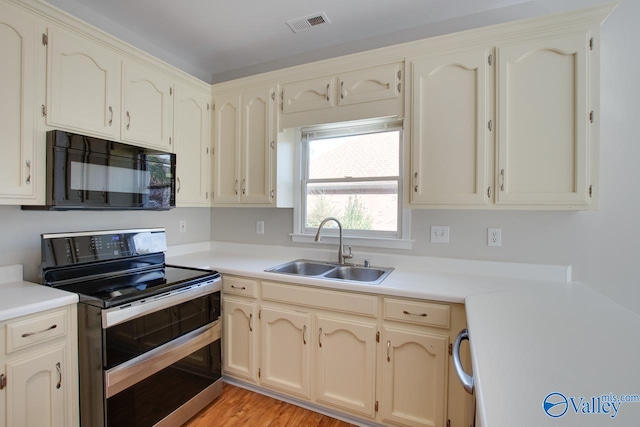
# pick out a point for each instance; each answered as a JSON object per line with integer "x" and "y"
{"x": 239, "y": 407}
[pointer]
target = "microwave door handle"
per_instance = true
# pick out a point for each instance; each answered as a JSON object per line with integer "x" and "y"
{"x": 465, "y": 379}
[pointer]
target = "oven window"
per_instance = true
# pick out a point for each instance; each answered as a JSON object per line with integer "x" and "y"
{"x": 135, "y": 337}
{"x": 152, "y": 399}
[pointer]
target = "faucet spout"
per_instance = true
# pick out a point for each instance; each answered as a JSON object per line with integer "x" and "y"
{"x": 341, "y": 255}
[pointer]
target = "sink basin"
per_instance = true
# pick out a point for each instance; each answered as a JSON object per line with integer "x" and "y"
{"x": 302, "y": 267}
{"x": 358, "y": 274}
{"x": 330, "y": 271}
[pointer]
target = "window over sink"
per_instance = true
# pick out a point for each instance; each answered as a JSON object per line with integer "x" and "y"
{"x": 353, "y": 171}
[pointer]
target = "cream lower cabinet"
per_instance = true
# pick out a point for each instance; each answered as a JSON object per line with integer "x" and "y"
{"x": 286, "y": 350}
{"x": 346, "y": 364}
{"x": 21, "y": 54}
{"x": 39, "y": 365}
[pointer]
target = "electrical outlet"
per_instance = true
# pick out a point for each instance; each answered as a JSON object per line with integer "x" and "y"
{"x": 183, "y": 226}
{"x": 494, "y": 237}
{"x": 439, "y": 234}
{"x": 259, "y": 227}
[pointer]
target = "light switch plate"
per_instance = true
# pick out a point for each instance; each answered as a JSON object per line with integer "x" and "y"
{"x": 439, "y": 234}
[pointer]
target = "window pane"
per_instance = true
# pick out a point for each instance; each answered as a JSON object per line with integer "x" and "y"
{"x": 371, "y": 205}
{"x": 359, "y": 156}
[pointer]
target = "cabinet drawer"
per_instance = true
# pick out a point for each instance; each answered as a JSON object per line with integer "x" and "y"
{"x": 240, "y": 286}
{"x": 366, "y": 305}
{"x": 34, "y": 330}
{"x": 421, "y": 313}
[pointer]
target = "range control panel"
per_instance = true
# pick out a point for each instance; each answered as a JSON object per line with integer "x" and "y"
{"x": 78, "y": 248}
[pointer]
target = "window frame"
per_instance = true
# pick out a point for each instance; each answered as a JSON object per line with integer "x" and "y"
{"x": 399, "y": 239}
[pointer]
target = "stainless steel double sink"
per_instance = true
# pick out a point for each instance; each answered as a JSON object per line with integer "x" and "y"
{"x": 331, "y": 271}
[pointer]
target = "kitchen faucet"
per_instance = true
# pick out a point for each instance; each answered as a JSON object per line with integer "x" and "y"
{"x": 341, "y": 255}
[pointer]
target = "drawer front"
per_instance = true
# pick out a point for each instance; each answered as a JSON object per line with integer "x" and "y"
{"x": 421, "y": 313}
{"x": 346, "y": 302}
{"x": 34, "y": 330}
{"x": 240, "y": 286}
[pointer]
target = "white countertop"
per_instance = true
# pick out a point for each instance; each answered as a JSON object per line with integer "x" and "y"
{"x": 20, "y": 298}
{"x": 530, "y": 342}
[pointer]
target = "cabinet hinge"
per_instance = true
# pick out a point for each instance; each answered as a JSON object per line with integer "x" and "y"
{"x": 44, "y": 110}
{"x": 591, "y": 43}
{"x": 378, "y": 336}
{"x": 259, "y": 374}
{"x": 45, "y": 39}
{"x": 376, "y": 406}
{"x": 591, "y": 191}
{"x": 450, "y": 349}
{"x": 282, "y": 100}
{"x": 591, "y": 116}
{"x": 490, "y": 60}
{"x": 259, "y": 314}
{"x": 448, "y": 423}
{"x": 3, "y": 381}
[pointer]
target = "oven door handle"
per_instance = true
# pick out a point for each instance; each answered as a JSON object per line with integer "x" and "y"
{"x": 123, "y": 376}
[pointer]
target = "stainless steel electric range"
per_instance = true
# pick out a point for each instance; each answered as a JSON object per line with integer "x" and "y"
{"x": 148, "y": 332}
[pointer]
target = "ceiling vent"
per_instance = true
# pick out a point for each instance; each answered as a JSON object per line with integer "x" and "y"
{"x": 307, "y": 22}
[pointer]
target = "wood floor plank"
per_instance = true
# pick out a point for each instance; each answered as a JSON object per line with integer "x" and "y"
{"x": 240, "y": 407}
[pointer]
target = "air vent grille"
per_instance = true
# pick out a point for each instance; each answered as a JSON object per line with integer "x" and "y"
{"x": 307, "y": 22}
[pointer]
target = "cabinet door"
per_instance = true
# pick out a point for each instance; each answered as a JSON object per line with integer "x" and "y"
{"x": 191, "y": 143}
{"x": 83, "y": 85}
{"x": 414, "y": 372}
{"x": 240, "y": 339}
{"x": 17, "y": 105}
{"x": 147, "y": 106}
{"x": 308, "y": 95}
{"x": 368, "y": 85}
{"x": 450, "y": 135}
{"x": 35, "y": 390}
{"x": 258, "y": 147}
{"x": 286, "y": 343}
{"x": 345, "y": 371}
{"x": 543, "y": 135}
{"x": 226, "y": 155}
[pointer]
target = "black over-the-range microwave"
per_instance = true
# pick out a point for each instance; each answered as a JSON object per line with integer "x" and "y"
{"x": 83, "y": 172}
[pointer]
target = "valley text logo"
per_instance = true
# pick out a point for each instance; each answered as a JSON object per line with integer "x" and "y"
{"x": 557, "y": 404}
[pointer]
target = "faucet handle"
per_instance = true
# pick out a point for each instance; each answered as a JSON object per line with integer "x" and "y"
{"x": 348, "y": 255}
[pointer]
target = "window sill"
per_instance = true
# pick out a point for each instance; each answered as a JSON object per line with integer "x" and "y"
{"x": 366, "y": 242}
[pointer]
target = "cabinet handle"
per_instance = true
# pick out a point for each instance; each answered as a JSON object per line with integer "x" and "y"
{"x": 414, "y": 314}
{"x": 235, "y": 187}
{"x": 239, "y": 287}
{"x": 128, "y": 120}
{"x": 111, "y": 117}
{"x": 3, "y": 381}
{"x": 489, "y": 192}
{"x": 415, "y": 182}
{"x": 304, "y": 335}
{"x": 59, "y": 369}
{"x": 320, "y": 337}
{"x": 502, "y": 176}
{"x": 28, "y": 163}
{"x": 388, "y": 347}
{"x": 341, "y": 90}
{"x": 328, "y": 91}
{"x": 179, "y": 185}
{"x": 28, "y": 334}
{"x": 251, "y": 322}
{"x": 490, "y": 125}
{"x": 244, "y": 189}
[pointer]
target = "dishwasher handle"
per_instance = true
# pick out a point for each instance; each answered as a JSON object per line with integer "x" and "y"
{"x": 465, "y": 379}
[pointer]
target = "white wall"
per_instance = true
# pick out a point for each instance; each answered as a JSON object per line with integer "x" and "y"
{"x": 603, "y": 246}
{"x": 20, "y": 230}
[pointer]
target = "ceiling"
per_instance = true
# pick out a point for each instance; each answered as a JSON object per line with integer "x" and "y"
{"x": 218, "y": 40}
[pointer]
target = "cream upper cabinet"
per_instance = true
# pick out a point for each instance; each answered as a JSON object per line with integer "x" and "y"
{"x": 240, "y": 338}
{"x": 307, "y": 95}
{"x": 346, "y": 364}
{"x": 451, "y": 109}
{"x": 244, "y": 148}
{"x": 543, "y": 140}
{"x": 191, "y": 144}
{"x": 286, "y": 350}
{"x": 372, "y": 84}
{"x": 83, "y": 85}
{"x": 414, "y": 377}
{"x": 18, "y": 79}
{"x": 147, "y": 106}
